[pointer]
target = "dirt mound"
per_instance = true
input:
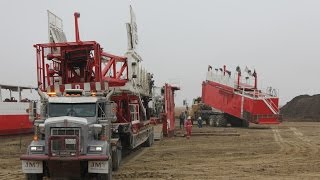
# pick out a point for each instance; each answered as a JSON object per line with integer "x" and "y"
{"x": 303, "y": 107}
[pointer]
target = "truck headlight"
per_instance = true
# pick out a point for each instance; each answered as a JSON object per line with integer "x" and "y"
{"x": 36, "y": 148}
{"x": 95, "y": 148}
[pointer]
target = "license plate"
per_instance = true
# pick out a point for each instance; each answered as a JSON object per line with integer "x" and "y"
{"x": 32, "y": 167}
{"x": 98, "y": 167}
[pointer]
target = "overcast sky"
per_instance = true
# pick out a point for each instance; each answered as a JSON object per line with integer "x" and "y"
{"x": 179, "y": 39}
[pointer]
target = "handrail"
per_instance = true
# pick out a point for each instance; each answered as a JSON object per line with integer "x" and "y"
{"x": 269, "y": 106}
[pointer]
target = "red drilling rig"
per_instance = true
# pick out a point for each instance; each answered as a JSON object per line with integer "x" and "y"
{"x": 94, "y": 105}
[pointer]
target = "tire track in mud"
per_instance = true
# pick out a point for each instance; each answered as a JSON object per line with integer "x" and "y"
{"x": 277, "y": 136}
{"x": 130, "y": 156}
{"x": 292, "y": 156}
{"x": 294, "y": 143}
{"x": 306, "y": 141}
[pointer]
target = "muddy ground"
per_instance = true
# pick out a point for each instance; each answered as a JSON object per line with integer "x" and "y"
{"x": 10, "y": 150}
{"x": 287, "y": 151}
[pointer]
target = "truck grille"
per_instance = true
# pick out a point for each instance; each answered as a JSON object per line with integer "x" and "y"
{"x": 65, "y": 131}
{"x": 64, "y": 141}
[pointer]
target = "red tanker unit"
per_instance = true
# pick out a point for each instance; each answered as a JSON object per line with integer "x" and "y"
{"x": 238, "y": 100}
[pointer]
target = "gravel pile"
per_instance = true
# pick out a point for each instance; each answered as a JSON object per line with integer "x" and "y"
{"x": 303, "y": 107}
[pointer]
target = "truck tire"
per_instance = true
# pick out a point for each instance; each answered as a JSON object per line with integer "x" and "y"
{"x": 116, "y": 157}
{"x": 212, "y": 121}
{"x": 34, "y": 176}
{"x": 245, "y": 123}
{"x": 106, "y": 176}
{"x": 221, "y": 121}
{"x": 207, "y": 122}
{"x": 236, "y": 122}
{"x": 150, "y": 140}
{"x": 152, "y": 137}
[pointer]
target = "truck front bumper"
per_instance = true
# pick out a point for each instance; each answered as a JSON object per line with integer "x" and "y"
{"x": 40, "y": 157}
{"x": 35, "y": 163}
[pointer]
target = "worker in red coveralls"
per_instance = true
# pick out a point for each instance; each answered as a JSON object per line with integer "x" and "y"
{"x": 188, "y": 127}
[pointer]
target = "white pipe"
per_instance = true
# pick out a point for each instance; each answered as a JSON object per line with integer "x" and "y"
{"x": 109, "y": 94}
{"x": 19, "y": 91}
{"x": 242, "y": 102}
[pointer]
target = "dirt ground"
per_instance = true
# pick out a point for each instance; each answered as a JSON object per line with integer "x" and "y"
{"x": 10, "y": 164}
{"x": 287, "y": 151}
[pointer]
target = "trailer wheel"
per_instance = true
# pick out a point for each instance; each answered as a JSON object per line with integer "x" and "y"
{"x": 207, "y": 121}
{"x": 221, "y": 121}
{"x": 212, "y": 121}
{"x": 116, "y": 157}
{"x": 245, "y": 123}
{"x": 34, "y": 176}
{"x": 236, "y": 122}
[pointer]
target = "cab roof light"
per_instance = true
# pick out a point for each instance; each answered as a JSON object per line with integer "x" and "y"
{"x": 52, "y": 94}
{"x": 74, "y": 92}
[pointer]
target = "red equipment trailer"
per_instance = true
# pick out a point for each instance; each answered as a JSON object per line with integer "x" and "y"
{"x": 168, "y": 115}
{"x": 239, "y": 101}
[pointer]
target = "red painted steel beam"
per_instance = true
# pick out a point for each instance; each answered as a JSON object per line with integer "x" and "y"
{"x": 114, "y": 69}
{"x": 66, "y": 44}
{"x": 97, "y": 62}
{"x": 124, "y": 66}
{"x": 119, "y": 58}
{"x": 76, "y": 26}
{"x": 114, "y": 82}
{"x": 108, "y": 66}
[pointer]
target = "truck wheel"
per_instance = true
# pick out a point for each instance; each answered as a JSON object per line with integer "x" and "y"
{"x": 34, "y": 176}
{"x": 207, "y": 121}
{"x": 212, "y": 121}
{"x": 152, "y": 138}
{"x": 221, "y": 121}
{"x": 235, "y": 122}
{"x": 116, "y": 158}
{"x": 106, "y": 176}
{"x": 149, "y": 141}
{"x": 245, "y": 123}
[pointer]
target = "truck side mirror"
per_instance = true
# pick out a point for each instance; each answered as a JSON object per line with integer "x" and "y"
{"x": 32, "y": 111}
{"x": 111, "y": 111}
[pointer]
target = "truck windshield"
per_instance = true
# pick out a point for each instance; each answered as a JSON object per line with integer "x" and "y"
{"x": 77, "y": 110}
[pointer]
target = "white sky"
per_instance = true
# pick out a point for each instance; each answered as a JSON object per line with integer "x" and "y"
{"x": 178, "y": 39}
